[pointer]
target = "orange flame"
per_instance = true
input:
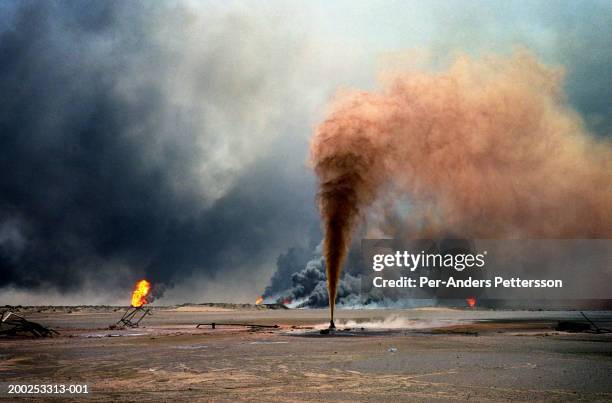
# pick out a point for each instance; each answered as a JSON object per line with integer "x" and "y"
{"x": 139, "y": 295}
{"x": 471, "y": 301}
{"x": 259, "y": 300}
{"x": 286, "y": 301}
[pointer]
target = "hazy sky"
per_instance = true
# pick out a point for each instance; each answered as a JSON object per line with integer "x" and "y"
{"x": 169, "y": 139}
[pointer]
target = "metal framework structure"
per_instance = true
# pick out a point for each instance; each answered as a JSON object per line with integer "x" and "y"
{"x": 130, "y": 317}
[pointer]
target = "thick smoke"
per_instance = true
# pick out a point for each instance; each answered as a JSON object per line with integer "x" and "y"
{"x": 157, "y": 291}
{"x": 304, "y": 279}
{"x": 139, "y": 140}
{"x": 486, "y": 149}
{"x": 294, "y": 260}
{"x": 166, "y": 139}
{"x": 344, "y": 186}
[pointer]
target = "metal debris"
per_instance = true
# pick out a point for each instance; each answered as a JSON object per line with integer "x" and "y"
{"x": 11, "y": 324}
{"x": 579, "y": 326}
{"x": 128, "y": 317}
{"x": 213, "y": 325}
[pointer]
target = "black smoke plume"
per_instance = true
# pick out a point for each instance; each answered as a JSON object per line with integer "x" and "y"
{"x": 126, "y": 139}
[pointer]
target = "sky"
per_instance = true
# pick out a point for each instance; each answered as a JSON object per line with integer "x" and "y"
{"x": 169, "y": 139}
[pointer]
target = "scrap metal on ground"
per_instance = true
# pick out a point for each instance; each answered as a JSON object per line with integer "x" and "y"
{"x": 11, "y": 324}
{"x": 213, "y": 325}
{"x": 578, "y": 327}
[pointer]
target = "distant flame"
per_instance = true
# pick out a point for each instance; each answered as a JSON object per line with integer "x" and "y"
{"x": 139, "y": 295}
{"x": 259, "y": 300}
{"x": 286, "y": 301}
{"x": 471, "y": 301}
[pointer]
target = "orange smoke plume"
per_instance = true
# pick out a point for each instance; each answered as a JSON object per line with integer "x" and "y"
{"x": 487, "y": 149}
{"x": 139, "y": 295}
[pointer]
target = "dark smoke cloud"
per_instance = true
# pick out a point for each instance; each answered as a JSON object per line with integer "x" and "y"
{"x": 126, "y": 132}
{"x": 166, "y": 139}
{"x": 287, "y": 264}
{"x": 300, "y": 279}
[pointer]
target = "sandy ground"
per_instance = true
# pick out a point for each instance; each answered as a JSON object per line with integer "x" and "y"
{"x": 408, "y": 355}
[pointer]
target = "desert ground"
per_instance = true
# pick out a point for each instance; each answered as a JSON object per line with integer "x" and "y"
{"x": 376, "y": 355}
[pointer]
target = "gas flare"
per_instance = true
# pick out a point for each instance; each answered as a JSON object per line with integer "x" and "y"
{"x": 471, "y": 301}
{"x": 140, "y": 293}
{"x": 259, "y": 300}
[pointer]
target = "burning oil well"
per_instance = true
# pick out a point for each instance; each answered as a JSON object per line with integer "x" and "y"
{"x": 488, "y": 149}
{"x": 134, "y": 314}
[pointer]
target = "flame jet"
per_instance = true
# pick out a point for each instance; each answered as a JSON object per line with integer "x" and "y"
{"x": 489, "y": 148}
{"x": 140, "y": 293}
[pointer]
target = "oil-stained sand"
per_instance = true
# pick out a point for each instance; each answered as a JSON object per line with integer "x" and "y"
{"x": 445, "y": 354}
